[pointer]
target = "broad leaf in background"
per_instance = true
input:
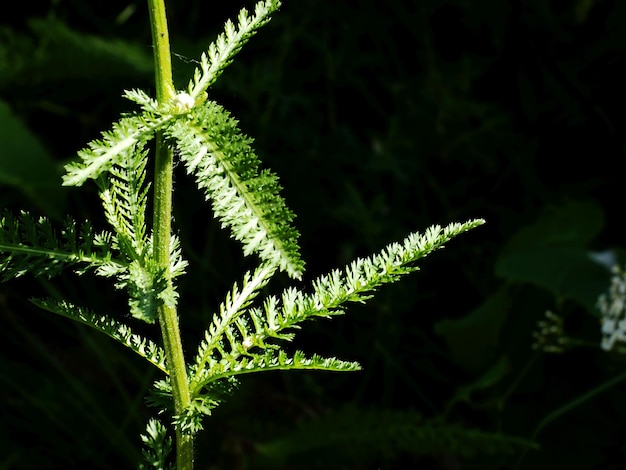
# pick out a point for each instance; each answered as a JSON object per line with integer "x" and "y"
{"x": 473, "y": 339}
{"x": 553, "y": 253}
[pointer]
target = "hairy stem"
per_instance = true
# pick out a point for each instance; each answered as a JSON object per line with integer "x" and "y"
{"x": 167, "y": 314}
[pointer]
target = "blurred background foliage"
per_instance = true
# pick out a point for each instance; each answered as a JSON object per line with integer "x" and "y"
{"x": 381, "y": 118}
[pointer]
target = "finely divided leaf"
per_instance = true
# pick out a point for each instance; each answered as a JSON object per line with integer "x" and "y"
{"x": 142, "y": 99}
{"x": 32, "y": 245}
{"x": 244, "y": 198}
{"x": 235, "y": 364}
{"x": 116, "y": 330}
{"x": 158, "y": 446}
{"x": 354, "y": 283}
{"x": 101, "y": 154}
{"x": 124, "y": 194}
{"x": 233, "y": 339}
{"x": 225, "y": 330}
{"x": 270, "y": 359}
{"x": 227, "y": 44}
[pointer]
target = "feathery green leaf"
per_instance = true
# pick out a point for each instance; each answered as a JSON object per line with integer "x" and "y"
{"x": 244, "y": 199}
{"x": 100, "y": 154}
{"x": 355, "y": 283}
{"x": 124, "y": 194}
{"x": 158, "y": 447}
{"x": 124, "y": 197}
{"x": 240, "y": 362}
{"x": 237, "y": 300}
{"x": 230, "y": 338}
{"x": 32, "y": 245}
{"x": 228, "y": 44}
{"x": 142, "y": 99}
{"x": 360, "y": 279}
{"x": 116, "y": 330}
{"x": 243, "y": 362}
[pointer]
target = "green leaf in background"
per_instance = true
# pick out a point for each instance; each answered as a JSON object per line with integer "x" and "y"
{"x": 473, "y": 339}
{"x": 553, "y": 254}
{"x": 53, "y": 52}
{"x": 492, "y": 377}
{"x": 362, "y": 436}
{"x": 25, "y": 165}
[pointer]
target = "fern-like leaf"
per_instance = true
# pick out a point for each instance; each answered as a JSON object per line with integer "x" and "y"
{"x": 124, "y": 193}
{"x": 226, "y": 349}
{"x": 116, "y": 330}
{"x": 356, "y": 282}
{"x": 244, "y": 199}
{"x": 101, "y": 154}
{"x": 32, "y": 245}
{"x": 228, "y": 44}
{"x": 224, "y": 323}
{"x": 124, "y": 197}
{"x": 241, "y": 362}
{"x": 146, "y": 285}
{"x": 142, "y": 99}
{"x": 158, "y": 447}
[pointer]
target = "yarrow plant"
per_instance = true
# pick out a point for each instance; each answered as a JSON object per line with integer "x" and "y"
{"x": 245, "y": 334}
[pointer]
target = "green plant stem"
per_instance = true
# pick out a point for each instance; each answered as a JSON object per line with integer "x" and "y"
{"x": 168, "y": 318}
{"x": 569, "y": 406}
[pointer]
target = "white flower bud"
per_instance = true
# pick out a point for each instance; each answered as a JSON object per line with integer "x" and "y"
{"x": 183, "y": 102}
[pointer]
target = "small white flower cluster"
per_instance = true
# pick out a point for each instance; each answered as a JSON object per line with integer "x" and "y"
{"x": 612, "y": 305}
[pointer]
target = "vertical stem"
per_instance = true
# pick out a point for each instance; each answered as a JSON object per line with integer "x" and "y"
{"x": 161, "y": 47}
{"x": 167, "y": 314}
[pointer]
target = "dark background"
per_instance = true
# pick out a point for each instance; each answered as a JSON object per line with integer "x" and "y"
{"x": 381, "y": 118}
